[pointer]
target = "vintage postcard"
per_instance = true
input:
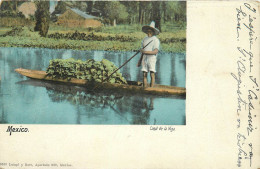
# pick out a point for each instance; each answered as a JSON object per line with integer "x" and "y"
{"x": 90, "y": 41}
{"x": 129, "y": 84}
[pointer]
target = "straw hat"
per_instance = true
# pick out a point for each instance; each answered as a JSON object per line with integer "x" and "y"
{"x": 151, "y": 26}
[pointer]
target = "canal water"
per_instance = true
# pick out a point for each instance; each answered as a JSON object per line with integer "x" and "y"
{"x": 27, "y": 101}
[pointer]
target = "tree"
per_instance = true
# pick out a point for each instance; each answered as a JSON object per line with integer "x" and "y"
{"x": 60, "y": 8}
{"x": 10, "y": 6}
{"x": 42, "y": 16}
{"x": 156, "y": 14}
{"x": 100, "y": 5}
{"x": 7, "y": 5}
{"x": 10, "y": 9}
{"x": 145, "y": 12}
{"x": 89, "y": 7}
{"x": 176, "y": 11}
{"x": 79, "y": 5}
{"x": 142, "y": 12}
{"x": 164, "y": 8}
{"x": 115, "y": 12}
{"x": 132, "y": 10}
{"x": 182, "y": 10}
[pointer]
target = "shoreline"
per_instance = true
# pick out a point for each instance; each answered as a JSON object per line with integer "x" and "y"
{"x": 49, "y": 43}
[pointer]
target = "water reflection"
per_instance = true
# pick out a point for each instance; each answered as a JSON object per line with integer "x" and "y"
{"x": 37, "y": 102}
{"x": 2, "y": 116}
{"x": 131, "y": 108}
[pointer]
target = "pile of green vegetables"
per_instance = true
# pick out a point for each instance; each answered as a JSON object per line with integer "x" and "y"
{"x": 90, "y": 70}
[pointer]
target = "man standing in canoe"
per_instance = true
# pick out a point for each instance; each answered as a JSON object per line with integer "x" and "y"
{"x": 149, "y": 53}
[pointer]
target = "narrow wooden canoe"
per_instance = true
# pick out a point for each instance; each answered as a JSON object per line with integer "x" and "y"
{"x": 131, "y": 86}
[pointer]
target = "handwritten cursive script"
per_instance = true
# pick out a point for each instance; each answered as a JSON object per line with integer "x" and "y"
{"x": 247, "y": 88}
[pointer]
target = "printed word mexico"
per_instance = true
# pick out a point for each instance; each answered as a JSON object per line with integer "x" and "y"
{"x": 16, "y": 129}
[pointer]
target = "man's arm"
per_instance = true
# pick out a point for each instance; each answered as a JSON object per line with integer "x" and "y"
{"x": 154, "y": 52}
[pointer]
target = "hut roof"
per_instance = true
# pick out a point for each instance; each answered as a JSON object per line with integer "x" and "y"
{"x": 83, "y": 14}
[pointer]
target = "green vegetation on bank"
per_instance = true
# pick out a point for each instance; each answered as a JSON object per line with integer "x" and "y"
{"x": 24, "y": 37}
{"x": 170, "y": 27}
{"x": 3, "y": 30}
{"x": 10, "y": 41}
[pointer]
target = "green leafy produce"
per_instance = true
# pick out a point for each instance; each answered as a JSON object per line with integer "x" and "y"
{"x": 92, "y": 36}
{"x": 90, "y": 70}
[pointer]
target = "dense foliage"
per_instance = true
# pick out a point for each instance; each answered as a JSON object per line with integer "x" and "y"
{"x": 60, "y": 8}
{"x": 143, "y": 12}
{"x": 92, "y": 36}
{"x": 11, "y": 6}
{"x": 22, "y": 31}
{"x": 90, "y": 70}
{"x": 11, "y": 14}
{"x": 115, "y": 11}
{"x": 42, "y": 16}
{"x": 10, "y": 9}
{"x": 130, "y": 12}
